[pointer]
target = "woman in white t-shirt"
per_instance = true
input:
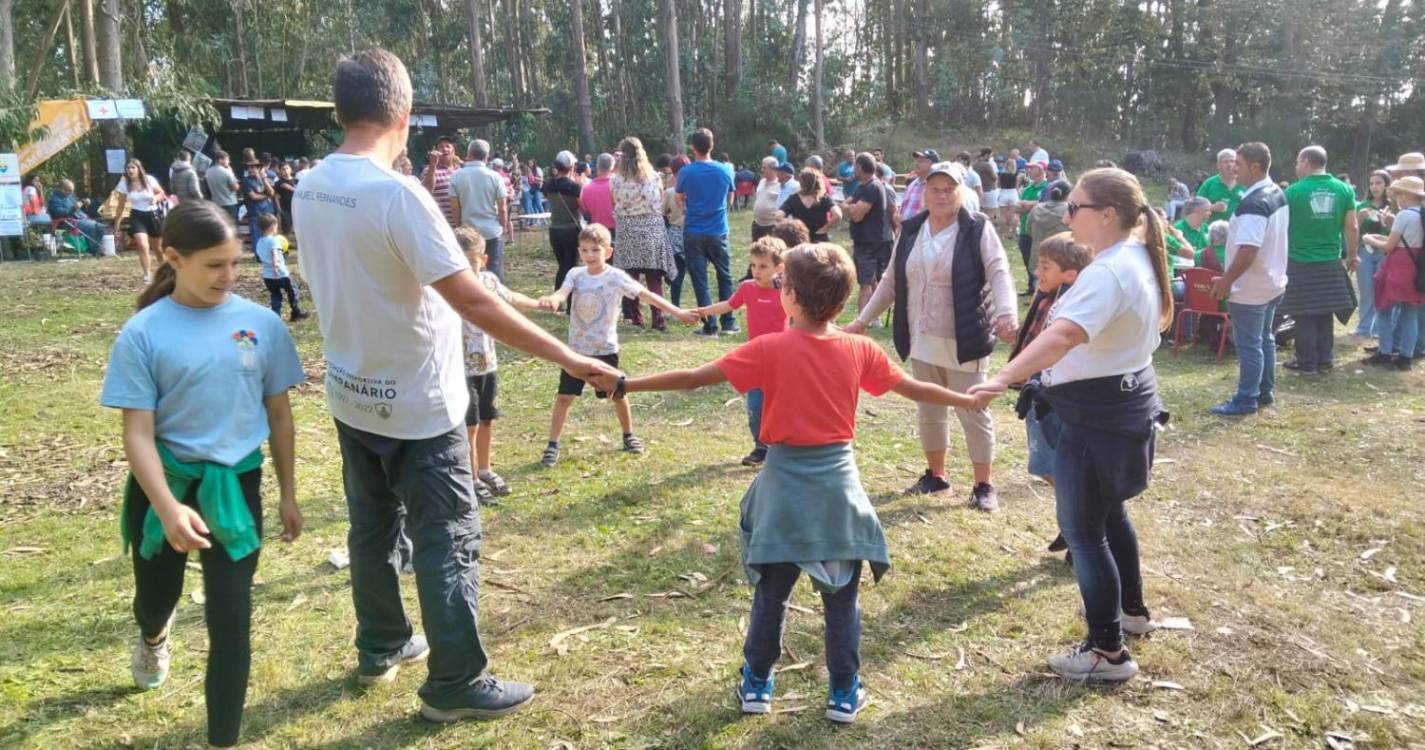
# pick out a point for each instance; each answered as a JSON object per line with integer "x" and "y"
{"x": 142, "y": 193}
{"x": 1093, "y": 367}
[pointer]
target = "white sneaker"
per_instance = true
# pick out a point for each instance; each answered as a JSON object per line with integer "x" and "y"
{"x": 1083, "y": 663}
{"x": 1137, "y": 624}
{"x": 147, "y": 279}
{"x": 149, "y": 663}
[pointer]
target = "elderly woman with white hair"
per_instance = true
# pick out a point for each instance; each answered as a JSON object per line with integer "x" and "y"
{"x": 950, "y": 284}
{"x": 766, "y": 200}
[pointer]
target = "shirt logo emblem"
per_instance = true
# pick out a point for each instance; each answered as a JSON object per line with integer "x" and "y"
{"x": 383, "y": 410}
{"x": 1129, "y": 383}
{"x": 246, "y": 342}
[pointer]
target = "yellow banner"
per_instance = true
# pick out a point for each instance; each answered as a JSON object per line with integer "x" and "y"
{"x": 67, "y": 120}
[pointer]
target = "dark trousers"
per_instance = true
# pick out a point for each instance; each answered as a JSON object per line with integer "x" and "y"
{"x": 425, "y": 486}
{"x": 682, "y": 264}
{"x": 1026, "y": 243}
{"x": 227, "y": 584}
{"x": 769, "y": 621}
{"x": 275, "y": 288}
{"x": 1315, "y": 339}
{"x": 633, "y": 309}
{"x": 700, "y": 250}
{"x": 495, "y": 256}
{"x": 566, "y": 252}
{"x": 1097, "y": 531}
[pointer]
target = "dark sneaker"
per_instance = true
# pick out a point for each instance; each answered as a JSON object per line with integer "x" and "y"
{"x": 488, "y": 698}
{"x": 733, "y": 331}
{"x": 1265, "y": 400}
{"x": 298, "y": 315}
{"x": 753, "y": 694}
{"x": 483, "y": 495}
{"x": 1233, "y": 408}
{"x": 983, "y": 497}
{"x": 1058, "y": 545}
{"x": 1083, "y": 663}
{"x": 706, "y": 332}
{"x": 631, "y": 444}
{"x": 843, "y": 705}
{"x": 928, "y": 484}
{"x": 414, "y": 651}
{"x": 757, "y": 457}
{"x": 1404, "y": 363}
{"x": 1299, "y": 366}
{"x": 1380, "y": 360}
{"x": 551, "y": 455}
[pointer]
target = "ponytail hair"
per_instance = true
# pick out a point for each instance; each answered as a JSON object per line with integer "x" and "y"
{"x": 1114, "y": 188}
{"x": 190, "y": 227}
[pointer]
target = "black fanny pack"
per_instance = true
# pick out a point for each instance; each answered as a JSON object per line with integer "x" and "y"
{"x": 1125, "y": 404}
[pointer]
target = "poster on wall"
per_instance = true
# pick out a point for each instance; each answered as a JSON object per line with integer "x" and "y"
{"x": 9, "y": 169}
{"x": 114, "y": 160}
{"x": 102, "y": 109}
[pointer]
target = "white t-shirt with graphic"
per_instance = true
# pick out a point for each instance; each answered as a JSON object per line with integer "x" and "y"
{"x": 372, "y": 244}
{"x": 595, "y": 303}
{"x": 480, "y": 346}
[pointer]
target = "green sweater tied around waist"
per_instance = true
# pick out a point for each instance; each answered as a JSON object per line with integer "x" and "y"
{"x": 220, "y": 502}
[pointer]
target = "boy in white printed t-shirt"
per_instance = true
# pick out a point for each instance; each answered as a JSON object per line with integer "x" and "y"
{"x": 480, "y": 364}
{"x": 595, "y": 292}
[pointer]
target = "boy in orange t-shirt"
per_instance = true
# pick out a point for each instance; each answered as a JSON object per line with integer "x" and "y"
{"x": 806, "y": 511}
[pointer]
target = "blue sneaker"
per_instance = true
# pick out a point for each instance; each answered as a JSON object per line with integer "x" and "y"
{"x": 843, "y": 705}
{"x": 754, "y": 694}
{"x": 1233, "y": 407}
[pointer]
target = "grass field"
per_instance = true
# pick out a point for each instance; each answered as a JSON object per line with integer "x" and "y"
{"x": 1293, "y": 541}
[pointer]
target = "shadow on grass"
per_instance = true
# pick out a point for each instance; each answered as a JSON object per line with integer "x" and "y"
{"x": 262, "y": 718}
{"x": 55, "y": 708}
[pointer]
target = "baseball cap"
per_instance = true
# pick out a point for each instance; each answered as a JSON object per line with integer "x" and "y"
{"x": 928, "y": 153}
{"x": 1056, "y": 166}
{"x": 564, "y": 160}
{"x": 951, "y": 169}
{"x": 786, "y": 167}
{"x": 1040, "y": 164}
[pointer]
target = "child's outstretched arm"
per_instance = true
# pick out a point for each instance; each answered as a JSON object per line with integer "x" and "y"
{"x": 713, "y": 310}
{"x": 929, "y": 393}
{"x": 677, "y": 380}
{"x": 283, "y": 443}
{"x": 687, "y": 317}
{"x": 551, "y": 302}
{"x": 522, "y": 302}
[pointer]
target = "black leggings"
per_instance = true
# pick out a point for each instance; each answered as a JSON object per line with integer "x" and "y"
{"x": 228, "y": 609}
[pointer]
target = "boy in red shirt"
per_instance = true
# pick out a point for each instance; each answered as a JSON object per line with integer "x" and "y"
{"x": 806, "y": 511}
{"x": 762, "y": 297}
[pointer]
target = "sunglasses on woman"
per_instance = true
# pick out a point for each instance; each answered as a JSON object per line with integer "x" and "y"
{"x": 1074, "y": 207}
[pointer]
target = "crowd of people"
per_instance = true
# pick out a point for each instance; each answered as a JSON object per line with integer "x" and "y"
{"x": 411, "y": 298}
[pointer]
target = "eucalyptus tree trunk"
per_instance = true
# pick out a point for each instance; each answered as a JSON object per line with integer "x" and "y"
{"x": 671, "y": 73}
{"x": 477, "y": 53}
{"x": 581, "y": 76}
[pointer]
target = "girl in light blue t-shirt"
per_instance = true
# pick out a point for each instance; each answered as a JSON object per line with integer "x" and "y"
{"x": 202, "y": 377}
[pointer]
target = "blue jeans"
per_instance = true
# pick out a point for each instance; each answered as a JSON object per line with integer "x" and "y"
{"x": 1400, "y": 329}
{"x": 495, "y": 255}
{"x": 699, "y": 249}
{"x": 754, "y": 416}
{"x": 1420, "y": 326}
{"x": 1366, "y": 291}
{"x": 1256, "y": 342}
{"x": 425, "y": 486}
{"x": 1097, "y": 530}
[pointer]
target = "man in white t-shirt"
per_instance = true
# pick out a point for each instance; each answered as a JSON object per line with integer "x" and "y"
{"x": 391, "y": 285}
{"x": 1254, "y": 280}
{"x": 1039, "y": 154}
{"x": 477, "y": 199}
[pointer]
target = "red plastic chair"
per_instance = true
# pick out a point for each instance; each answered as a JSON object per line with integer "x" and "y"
{"x": 1198, "y": 301}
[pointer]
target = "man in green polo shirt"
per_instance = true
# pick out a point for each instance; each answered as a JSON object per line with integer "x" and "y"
{"x": 1323, "y": 221}
{"x": 1028, "y": 199}
{"x": 1194, "y": 224}
{"x": 1222, "y": 189}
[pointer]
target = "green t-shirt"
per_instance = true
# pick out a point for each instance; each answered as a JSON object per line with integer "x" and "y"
{"x": 1213, "y": 190}
{"x": 1030, "y": 193}
{"x": 1369, "y": 226}
{"x": 1318, "y": 205}
{"x": 1195, "y": 237}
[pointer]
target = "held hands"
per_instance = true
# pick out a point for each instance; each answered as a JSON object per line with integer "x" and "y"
{"x": 601, "y": 375}
{"x": 1006, "y": 328}
{"x": 548, "y": 303}
{"x": 984, "y": 393}
{"x": 689, "y": 317}
{"x": 183, "y": 527}
{"x": 291, "y": 519}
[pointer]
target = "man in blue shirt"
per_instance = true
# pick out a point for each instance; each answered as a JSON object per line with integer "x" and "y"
{"x": 778, "y": 150}
{"x": 703, "y": 187}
